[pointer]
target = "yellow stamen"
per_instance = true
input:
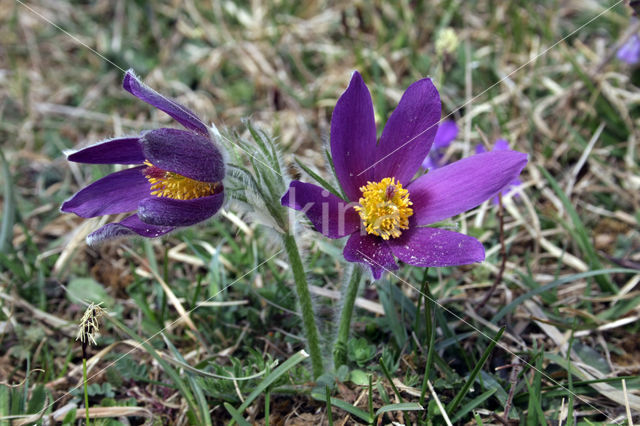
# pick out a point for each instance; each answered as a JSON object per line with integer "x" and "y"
{"x": 384, "y": 208}
{"x": 172, "y": 185}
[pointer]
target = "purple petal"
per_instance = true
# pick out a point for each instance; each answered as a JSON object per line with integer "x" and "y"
{"x": 353, "y": 137}
{"x": 164, "y": 211}
{"x": 408, "y": 135}
{"x": 119, "y": 192}
{"x": 130, "y": 226}
{"x": 329, "y": 214}
{"x": 178, "y": 112}
{"x": 480, "y": 149}
{"x": 512, "y": 186}
{"x": 435, "y": 159}
{"x": 500, "y": 145}
{"x": 430, "y": 162}
{"x": 462, "y": 185}
{"x": 125, "y": 150}
{"x": 372, "y": 250}
{"x": 186, "y": 153}
{"x": 447, "y": 132}
{"x": 630, "y": 51}
{"x": 435, "y": 247}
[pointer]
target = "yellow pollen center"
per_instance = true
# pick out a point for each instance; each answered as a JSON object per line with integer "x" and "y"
{"x": 172, "y": 185}
{"x": 384, "y": 208}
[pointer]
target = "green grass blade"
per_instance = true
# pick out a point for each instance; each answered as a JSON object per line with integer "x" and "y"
{"x": 275, "y": 375}
{"x": 528, "y": 295}
{"x": 235, "y": 415}
{"x": 166, "y": 367}
{"x": 472, "y": 377}
{"x": 5, "y": 406}
{"x": 534, "y": 409}
{"x": 475, "y": 402}
{"x": 8, "y": 211}
{"x": 197, "y": 390}
{"x": 431, "y": 327}
{"x": 361, "y": 414}
{"x": 581, "y": 235}
{"x": 395, "y": 324}
{"x": 401, "y": 406}
{"x": 327, "y": 395}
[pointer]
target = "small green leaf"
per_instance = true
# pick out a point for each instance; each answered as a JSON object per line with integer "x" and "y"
{"x": 359, "y": 377}
{"x": 88, "y": 290}
{"x": 360, "y": 351}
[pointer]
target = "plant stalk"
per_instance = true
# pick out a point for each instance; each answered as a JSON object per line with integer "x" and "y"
{"x": 306, "y": 307}
{"x": 84, "y": 381}
{"x": 340, "y": 346}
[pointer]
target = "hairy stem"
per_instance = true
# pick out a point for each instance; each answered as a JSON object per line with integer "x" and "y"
{"x": 306, "y": 307}
{"x": 340, "y": 346}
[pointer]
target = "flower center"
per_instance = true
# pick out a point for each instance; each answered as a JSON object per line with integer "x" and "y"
{"x": 172, "y": 185}
{"x": 384, "y": 208}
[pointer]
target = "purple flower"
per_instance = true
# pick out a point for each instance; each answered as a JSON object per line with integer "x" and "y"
{"x": 447, "y": 132}
{"x": 630, "y": 51}
{"x": 176, "y": 180}
{"x": 386, "y": 212}
{"x": 501, "y": 145}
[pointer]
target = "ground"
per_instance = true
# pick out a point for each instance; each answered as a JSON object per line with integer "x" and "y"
{"x": 544, "y": 76}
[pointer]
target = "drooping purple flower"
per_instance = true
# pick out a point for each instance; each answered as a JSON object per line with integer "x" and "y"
{"x": 386, "y": 212}
{"x": 447, "y": 132}
{"x": 501, "y": 145}
{"x": 176, "y": 181}
{"x": 630, "y": 51}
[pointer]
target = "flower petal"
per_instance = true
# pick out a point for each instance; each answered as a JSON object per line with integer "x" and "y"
{"x": 480, "y": 149}
{"x": 500, "y": 145}
{"x": 181, "y": 114}
{"x": 408, "y": 135}
{"x": 163, "y": 211}
{"x": 329, "y": 215}
{"x": 372, "y": 250}
{"x": 186, "y": 153}
{"x": 462, "y": 185}
{"x": 125, "y": 150}
{"x": 435, "y": 247}
{"x": 447, "y": 132}
{"x": 630, "y": 51}
{"x": 431, "y": 161}
{"x": 119, "y": 192}
{"x": 353, "y": 137}
{"x": 130, "y": 226}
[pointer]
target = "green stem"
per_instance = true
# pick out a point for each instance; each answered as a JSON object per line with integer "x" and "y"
{"x": 86, "y": 391}
{"x": 304, "y": 299}
{"x": 340, "y": 347}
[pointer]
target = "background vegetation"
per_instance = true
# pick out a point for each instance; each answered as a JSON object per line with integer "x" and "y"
{"x": 541, "y": 74}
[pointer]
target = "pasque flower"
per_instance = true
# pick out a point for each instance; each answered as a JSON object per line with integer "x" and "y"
{"x": 447, "y": 132}
{"x": 176, "y": 181}
{"x": 501, "y": 145}
{"x": 630, "y": 51}
{"x": 386, "y": 212}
